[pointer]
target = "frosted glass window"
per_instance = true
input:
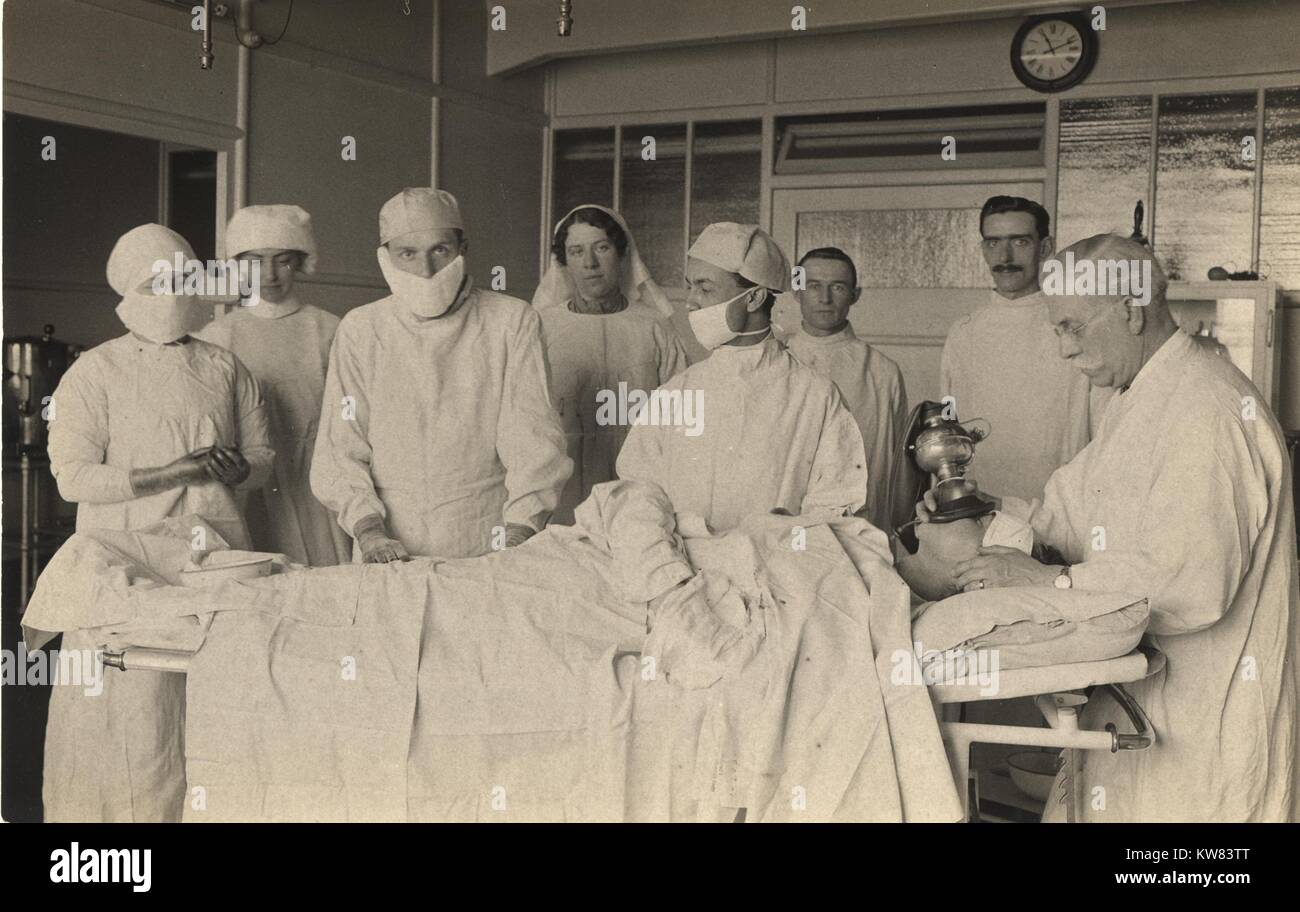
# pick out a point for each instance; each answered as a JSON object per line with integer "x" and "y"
{"x": 654, "y": 198}
{"x": 1205, "y": 189}
{"x": 584, "y": 169}
{"x": 1279, "y": 221}
{"x": 1104, "y": 163}
{"x": 902, "y": 248}
{"x": 726, "y": 167}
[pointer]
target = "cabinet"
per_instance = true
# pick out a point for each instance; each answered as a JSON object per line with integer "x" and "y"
{"x": 1240, "y": 320}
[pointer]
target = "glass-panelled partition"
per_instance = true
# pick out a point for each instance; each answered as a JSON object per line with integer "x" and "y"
{"x": 1279, "y": 216}
{"x": 1205, "y": 182}
{"x": 726, "y": 171}
{"x": 653, "y": 197}
{"x": 584, "y": 169}
{"x": 1104, "y": 165}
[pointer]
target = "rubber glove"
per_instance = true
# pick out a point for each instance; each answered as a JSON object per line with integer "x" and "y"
{"x": 376, "y": 546}
{"x": 227, "y": 465}
{"x": 188, "y": 469}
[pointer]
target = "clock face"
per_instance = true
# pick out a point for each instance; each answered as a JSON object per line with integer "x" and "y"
{"x": 1053, "y": 52}
{"x": 1052, "y": 49}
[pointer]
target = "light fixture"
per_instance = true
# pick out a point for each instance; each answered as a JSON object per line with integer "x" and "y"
{"x": 242, "y": 21}
{"x": 564, "y": 25}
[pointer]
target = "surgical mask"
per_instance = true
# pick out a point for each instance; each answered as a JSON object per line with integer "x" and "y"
{"x": 160, "y": 318}
{"x": 428, "y": 298}
{"x": 710, "y": 324}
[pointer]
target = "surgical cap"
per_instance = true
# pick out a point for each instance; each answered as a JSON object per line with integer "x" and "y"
{"x": 746, "y": 250}
{"x": 131, "y": 263}
{"x": 272, "y": 228}
{"x": 418, "y": 209}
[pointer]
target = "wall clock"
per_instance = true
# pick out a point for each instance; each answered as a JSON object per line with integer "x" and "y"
{"x": 1054, "y": 52}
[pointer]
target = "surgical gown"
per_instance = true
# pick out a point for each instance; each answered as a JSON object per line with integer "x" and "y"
{"x": 288, "y": 353}
{"x": 872, "y": 387}
{"x": 590, "y": 355}
{"x": 1185, "y": 497}
{"x": 772, "y": 433}
{"x": 118, "y": 756}
{"x": 443, "y": 427}
{"x": 1003, "y": 363}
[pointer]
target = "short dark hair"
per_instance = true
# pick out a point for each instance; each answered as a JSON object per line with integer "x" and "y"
{"x": 995, "y": 205}
{"x": 831, "y": 253}
{"x": 596, "y": 218}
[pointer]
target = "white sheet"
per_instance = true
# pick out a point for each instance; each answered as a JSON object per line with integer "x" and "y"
{"x": 509, "y": 687}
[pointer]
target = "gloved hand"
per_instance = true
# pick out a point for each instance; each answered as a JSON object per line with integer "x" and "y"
{"x": 188, "y": 469}
{"x": 227, "y": 465}
{"x": 376, "y": 546}
{"x": 517, "y": 534}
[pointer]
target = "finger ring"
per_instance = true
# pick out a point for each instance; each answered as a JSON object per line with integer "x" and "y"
{"x": 981, "y": 582}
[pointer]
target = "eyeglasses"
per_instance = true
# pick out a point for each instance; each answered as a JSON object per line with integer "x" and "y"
{"x": 1073, "y": 330}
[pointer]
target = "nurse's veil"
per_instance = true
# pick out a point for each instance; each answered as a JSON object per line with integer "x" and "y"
{"x": 556, "y": 288}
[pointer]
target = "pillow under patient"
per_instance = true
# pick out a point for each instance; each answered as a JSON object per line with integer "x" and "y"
{"x": 1032, "y": 626}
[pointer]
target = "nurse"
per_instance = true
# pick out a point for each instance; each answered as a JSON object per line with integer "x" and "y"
{"x": 774, "y": 434}
{"x": 438, "y": 437}
{"x": 1184, "y": 498}
{"x": 285, "y": 343}
{"x": 149, "y": 425}
{"x": 605, "y": 323}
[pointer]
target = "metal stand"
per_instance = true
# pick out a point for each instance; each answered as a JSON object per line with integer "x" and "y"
{"x": 1061, "y": 710}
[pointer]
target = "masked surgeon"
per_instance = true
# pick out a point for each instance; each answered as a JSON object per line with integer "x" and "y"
{"x": 1185, "y": 498}
{"x": 286, "y": 344}
{"x": 438, "y": 437}
{"x": 149, "y": 425}
{"x": 605, "y": 323}
{"x": 772, "y": 433}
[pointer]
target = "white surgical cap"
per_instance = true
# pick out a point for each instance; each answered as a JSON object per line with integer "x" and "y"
{"x": 272, "y": 228}
{"x": 131, "y": 263}
{"x": 746, "y": 250}
{"x": 418, "y": 209}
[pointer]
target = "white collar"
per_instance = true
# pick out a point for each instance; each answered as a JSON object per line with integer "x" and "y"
{"x": 268, "y": 311}
{"x": 842, "y": 335}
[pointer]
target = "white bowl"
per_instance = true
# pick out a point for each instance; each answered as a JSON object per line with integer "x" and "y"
{"x": 1033, "y": 772}
{"x": 221, "y": 571}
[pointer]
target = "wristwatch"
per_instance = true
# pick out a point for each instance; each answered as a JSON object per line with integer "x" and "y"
{"x": 1063, "y": 580}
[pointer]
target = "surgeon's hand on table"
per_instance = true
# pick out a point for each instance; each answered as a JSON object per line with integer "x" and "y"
{"x": 517, "y": 534}
{"x": 376, "y": 547}
{"x": 998, "y": 566}
{"x": 227, "y": 465}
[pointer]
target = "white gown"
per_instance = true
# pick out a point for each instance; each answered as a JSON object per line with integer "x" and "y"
{"x": 872, "y": 387}
{"x": 1185, "y": 497}
{"x": 286, "y": 346}
{"x": 775, "y": 433}
{"x": 443, "y": 427}
{"x": 130, "y": 404}
{"x": 1003, "y": 363}
{"x": 590, "y": 355}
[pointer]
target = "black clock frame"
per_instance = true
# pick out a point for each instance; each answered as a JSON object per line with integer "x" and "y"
{"x": 1087, "y": 60}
